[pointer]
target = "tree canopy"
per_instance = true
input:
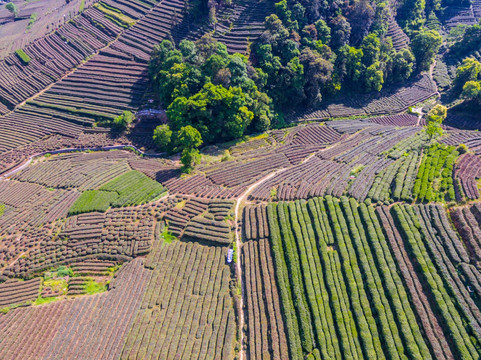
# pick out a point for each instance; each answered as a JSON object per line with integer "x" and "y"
{"x": 434, "y": 119}
{"x": 201, "y": 85}
{"x": 425, "y": 45}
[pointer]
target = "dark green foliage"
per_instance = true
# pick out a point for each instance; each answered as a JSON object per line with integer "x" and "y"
{"x": 63, "y": 271}
{"x": 162, "y": 137}
{"x": 282, "y": 276}
{"x": 446, "y": 307}
{"x": 425, "y": 45}
{"x": 201, "y": 85}
{"x": 306, "y": 60}
{"x": 470, "y": 41}
{"x": 189, "y": 139}
{"x": 412, "y": 14}
{"x": 12, "y": 8}
{"x": 467, "y": 71}
{"x": 123, "y": 121}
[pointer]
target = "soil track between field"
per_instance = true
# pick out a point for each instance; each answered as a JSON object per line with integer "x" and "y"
{"x": 239, "y": 201}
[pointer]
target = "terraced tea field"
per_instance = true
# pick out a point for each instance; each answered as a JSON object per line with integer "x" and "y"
{"x": 344, "y": 231}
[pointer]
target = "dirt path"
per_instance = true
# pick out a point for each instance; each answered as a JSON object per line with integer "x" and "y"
{"x": 239, "y": 201}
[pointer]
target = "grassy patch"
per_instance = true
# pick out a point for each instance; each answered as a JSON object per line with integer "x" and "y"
{"x": 82, "y": 6}
{"x": 134, "y": 188}
{"x": 41, "y": 301}
{"x": 358, "y": 168}
{"x": 115, "y": 15}
{"x": 168, "y": 237}
{"x": 180, "y": 204}
{"x": 93, "y": 287}
{"x": 93, "y": 200}
{"x": 23, "y": 56}
{"x": 273, "y": 193}
{"x": 56, "y": 285}
{"x": 2, "y": 209}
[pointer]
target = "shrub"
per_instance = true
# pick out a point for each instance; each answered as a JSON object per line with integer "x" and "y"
{"x": 462, "y": 149}
{"x": 64, "y": 271}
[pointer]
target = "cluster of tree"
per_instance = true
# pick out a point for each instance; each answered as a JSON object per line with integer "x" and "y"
{"x": 302, "y": 61}
{"x": 187, "y": 139}
{"x": 201, "y": 85}
{"x": 468, "y": 42}
{"x": 123, "y": 121}
{"x": 310, "y": 50}
{"x": 204, "y": 87}
{"x": 412, "y": 14}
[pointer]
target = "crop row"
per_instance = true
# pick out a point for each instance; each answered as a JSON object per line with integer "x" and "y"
{"x": 467, "y": 172}
{"x": 187, "y": 309}
{"x": 255, "y": 222}
{"x": 84, "y": 171}
{"x": 468, "y": 221}
{"x": 434, "y": 181}
{"x": 87, "y": 327}
{"x": 334, "y": 272}
{"x": 264, "y": 316}
{"x": 116, "y": 235}
{"x": 18, "y": 292}
{"x": 431, "y": 272}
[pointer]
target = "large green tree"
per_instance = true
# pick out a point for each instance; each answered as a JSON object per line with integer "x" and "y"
{"x": 434, "y": 119}
{"x": 189, "y": 139}
{"x": 425, "y": 46}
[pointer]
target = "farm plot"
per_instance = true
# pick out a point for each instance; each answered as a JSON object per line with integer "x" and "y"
{"x": 467, "y": 221}
{"x": 469, "y": 138}
{"x": 361, "y": 165}
{"x": 85, "y": 171}
{"x": 116, "y": 235}
{"x": 12, "y": 158}
{"x": 237, "y": 25}
{"x": 201, "y": 220}
{"x": 85, "y": 95}
{"x": 266, "y": 328}
{"x": 50, "y": 57}
{"x": 14, "y": 292}
{"x": 464, "y": 121}
{"x": 467, "y": 172}
{"x": 335, "y": 271}
{"x": 399, "y": 38}
{"x": 435, "y": 252}
{"x": 50, "y": 14}
{"x": 188, "y": 308}
{"x": 29, "y": 205}
{"x": 434, "y": 181}
{"x": 133, "y": 188}
{"x": 255, "y": 222}
{"x": 392, "y": 100}
{"x": 88, "y": 327}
